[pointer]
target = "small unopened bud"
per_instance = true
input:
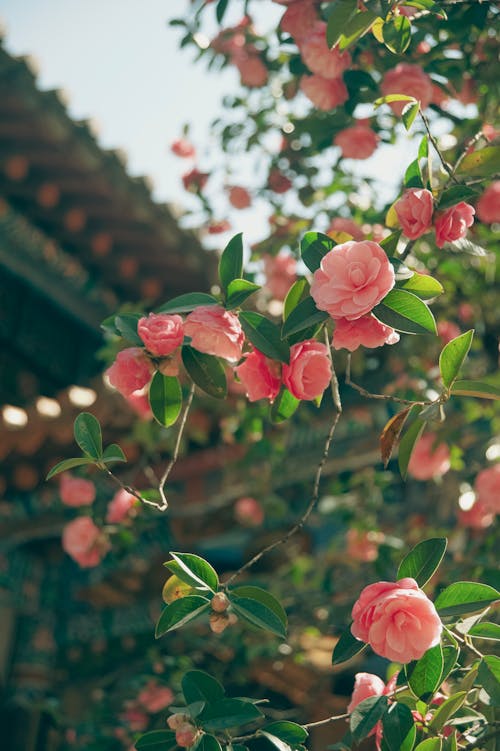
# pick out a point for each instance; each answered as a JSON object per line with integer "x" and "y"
{"x": 186, "y": 736}
{"x": 219, "y": 602}
{"x": 219, "y": 622}
{"x": 176, "y": 720}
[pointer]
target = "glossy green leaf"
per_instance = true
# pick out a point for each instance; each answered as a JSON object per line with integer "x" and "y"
{"x": 409, "y": 114}
{"x": 413, "y": 176}
{"x": 228, "y": 713}
{"x": 453, "y": 356}
{"x": 180, "y": 612}
{"x": 398, "y": 728}
{"x": 113, "y": 453}
{"x": 456, "y": 194}
{"x": 207, "y": 742}
{"x": 430, "y": 744}
{"x": 485, "y": 630}
{"x": 405, "y": 312}
{"x": 489, "y": 677}
{"x": 67, "y": 464}
{"x": 424, "y": 286}
{"x": 237, "y": 292}
{"x": 220, "y": 10}
{"x": 397, "y": 34}
{"x": 465, "y": 597}
{"x": 390, "y": 245}
{"x": 481, "y": 163}
{"x": 450, "y": 657}
{"x": 446, "y": 710}
{"x": 365, "y": 716}
{"x": 289, "y": 733}
{"x": 158, "y": 740}
{"x": 407, "y": 444}
{"x": 475, "y": 388}
{"x": 188, "y": 302}
{"x": 262, "y": 596}
{"x": 423, "y": 560}
{"x": 393, "y": 98}
{"x": 297, "y": 292}
{"x": 200, "y": 686}
{"x": 346, "y": 647}
{"x": 88, "y": 434}
{"x": 302, "y": 317}
{"x": 165, "y": 398}
{"x": 265, "y": 336}
{"x": 198, "y": 570}
{"x": 423, "y": 148}
{"x": 258, "y": 614}
{"x": 343, "y": 11}
{"x": 126, "y": 323}
{"x": 356, "y": 27}
{"x": 283, "y": 406}
{"x": 424, "y": 675}
{"x": 206, "y": 371}
{"x": 313, "y": 248}
{"x": 231, "y": 261}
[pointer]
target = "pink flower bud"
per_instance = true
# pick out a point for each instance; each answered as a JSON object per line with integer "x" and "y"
{"x": 161, "y": 333}
{"x": 219, "y": 602}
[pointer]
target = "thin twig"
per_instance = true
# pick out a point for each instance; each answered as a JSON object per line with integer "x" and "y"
{"x": 314, "y": 498}
{"x": 369, "y": 395}
{"x": 133, "y": 491}
{"x": 443, "y": 161}
{"x": 326, "y": 721}
{"x": 175, "y": 455}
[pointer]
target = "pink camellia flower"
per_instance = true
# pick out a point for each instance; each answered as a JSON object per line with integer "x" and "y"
{"x": 183, "y": 148}
{"x": 324, "y": 93}
{"x": 447, "y": 330}
{"x": 161, "y": 333}
{"x": 239, "y": 197}
{"x": 429, "y": 459}
{"x": 281, "y": 273}
{"x": 363, "y": 546}
{"x": 410, "y": 80}
{"x": 319, "y": 58}
{"x": 248, "y": 511}
{"x": 253, "y": 72}
{"x": 136, "y": 719}
{"x": 120, "y": 506}
{"x": 75, "y": 491}
{"x": 488, "y": 206}
{"x": 217, "y": 228}
{"x": 414, "y": 210}
{"x": 83, "y": 541}
{"x": 451, "y": 225}
{"x": 299, "y": 19}
{"x": 215, "y": 331}
{"x": 352, "y": 279}
{"x": 349, "y": 226}
{"x": 487, "y": 487}
{"x": 186, "y": 735}
{"x": 260, "y": 376}
{"x": 194, "y": 180}
{"x": 366, "y": 685}
{"x": 357, "y": 142}
{"x": 309, "y": 371}
{"x": 155, "y": 697}
{"x": 131, "y": 371}
{"x": 396, "y": 619}
{"x": 366, "y": 331}
{"x": 479, "y": 516}
{"x": 278, "y": 182}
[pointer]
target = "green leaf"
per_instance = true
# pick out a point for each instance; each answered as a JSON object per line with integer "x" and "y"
{"x": 390, "y": 244}
{"x": 165, "y": 398}
{"x": 237, "y": 292}
{"x": 365, "y": 716}
{"x": 398, "y": 728}
{"x": 465, "y": 597}
{"x": 231, "y": 261}
{"x": 258, "y": 614}
{"x": 407, "y": 444}
{"x": 88, "y": 435}
{"x": 456, "y": 194}
{"x": 397, "y": 34}
{"x": 357, "y": 26}
{"x": 424, "y": 675}
{"x": 423, "y": 148}
{"x": 188, "y": 302}
{"x": 126, "y": 323}
{"x": 228, "y": 713}
{"x": 485, "y": 630}
{"x": 68, "y": 464}
{"x": 346, "y": 647}
{"x": 206, "y": 371}
{"x": 313, "y": 248}
{"x": 264, "y": 597}
{"x": 409, "y": 114}
{"x": 489, "y": 677}
{"x": 481, "y": 163}
{"x": 304, "y": 315}
{"x": 475, "y": 388}
{"x": 393, "y": 98}
{"x": 200, "y": 686}
{"x": 453, "y": 355}
{"x": 113, "y": 453}
{"x": 405, "y": 312}
{"x": 424, "y": 286}
{"x": 446, "y": 710}
{"x": 413, "y": 176}
{"x": 220, "y": 10}
{"x": 207, "y": 742}
{"x": 430, "y": 744}
{"x": 160, "y": 740}
{"x": 423, "y": 560}
{"x": 198, "y": 570}
{"x": 343, "y": 11}
{"x": 287, "y": 732}
{"x": 180, "y": 612}
{"x": 265, "y": 336}
{"x": 450, "y": 657}
{"x": 297, "y": 292}
{"x": 283, "y": 406}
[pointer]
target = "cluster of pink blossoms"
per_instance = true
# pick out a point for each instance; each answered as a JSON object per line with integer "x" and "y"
{"x": 234, "y": 43}
{"x": 415, "y": 211}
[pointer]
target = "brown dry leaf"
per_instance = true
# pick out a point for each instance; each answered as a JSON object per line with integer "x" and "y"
{"x": 391, "y": 433}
